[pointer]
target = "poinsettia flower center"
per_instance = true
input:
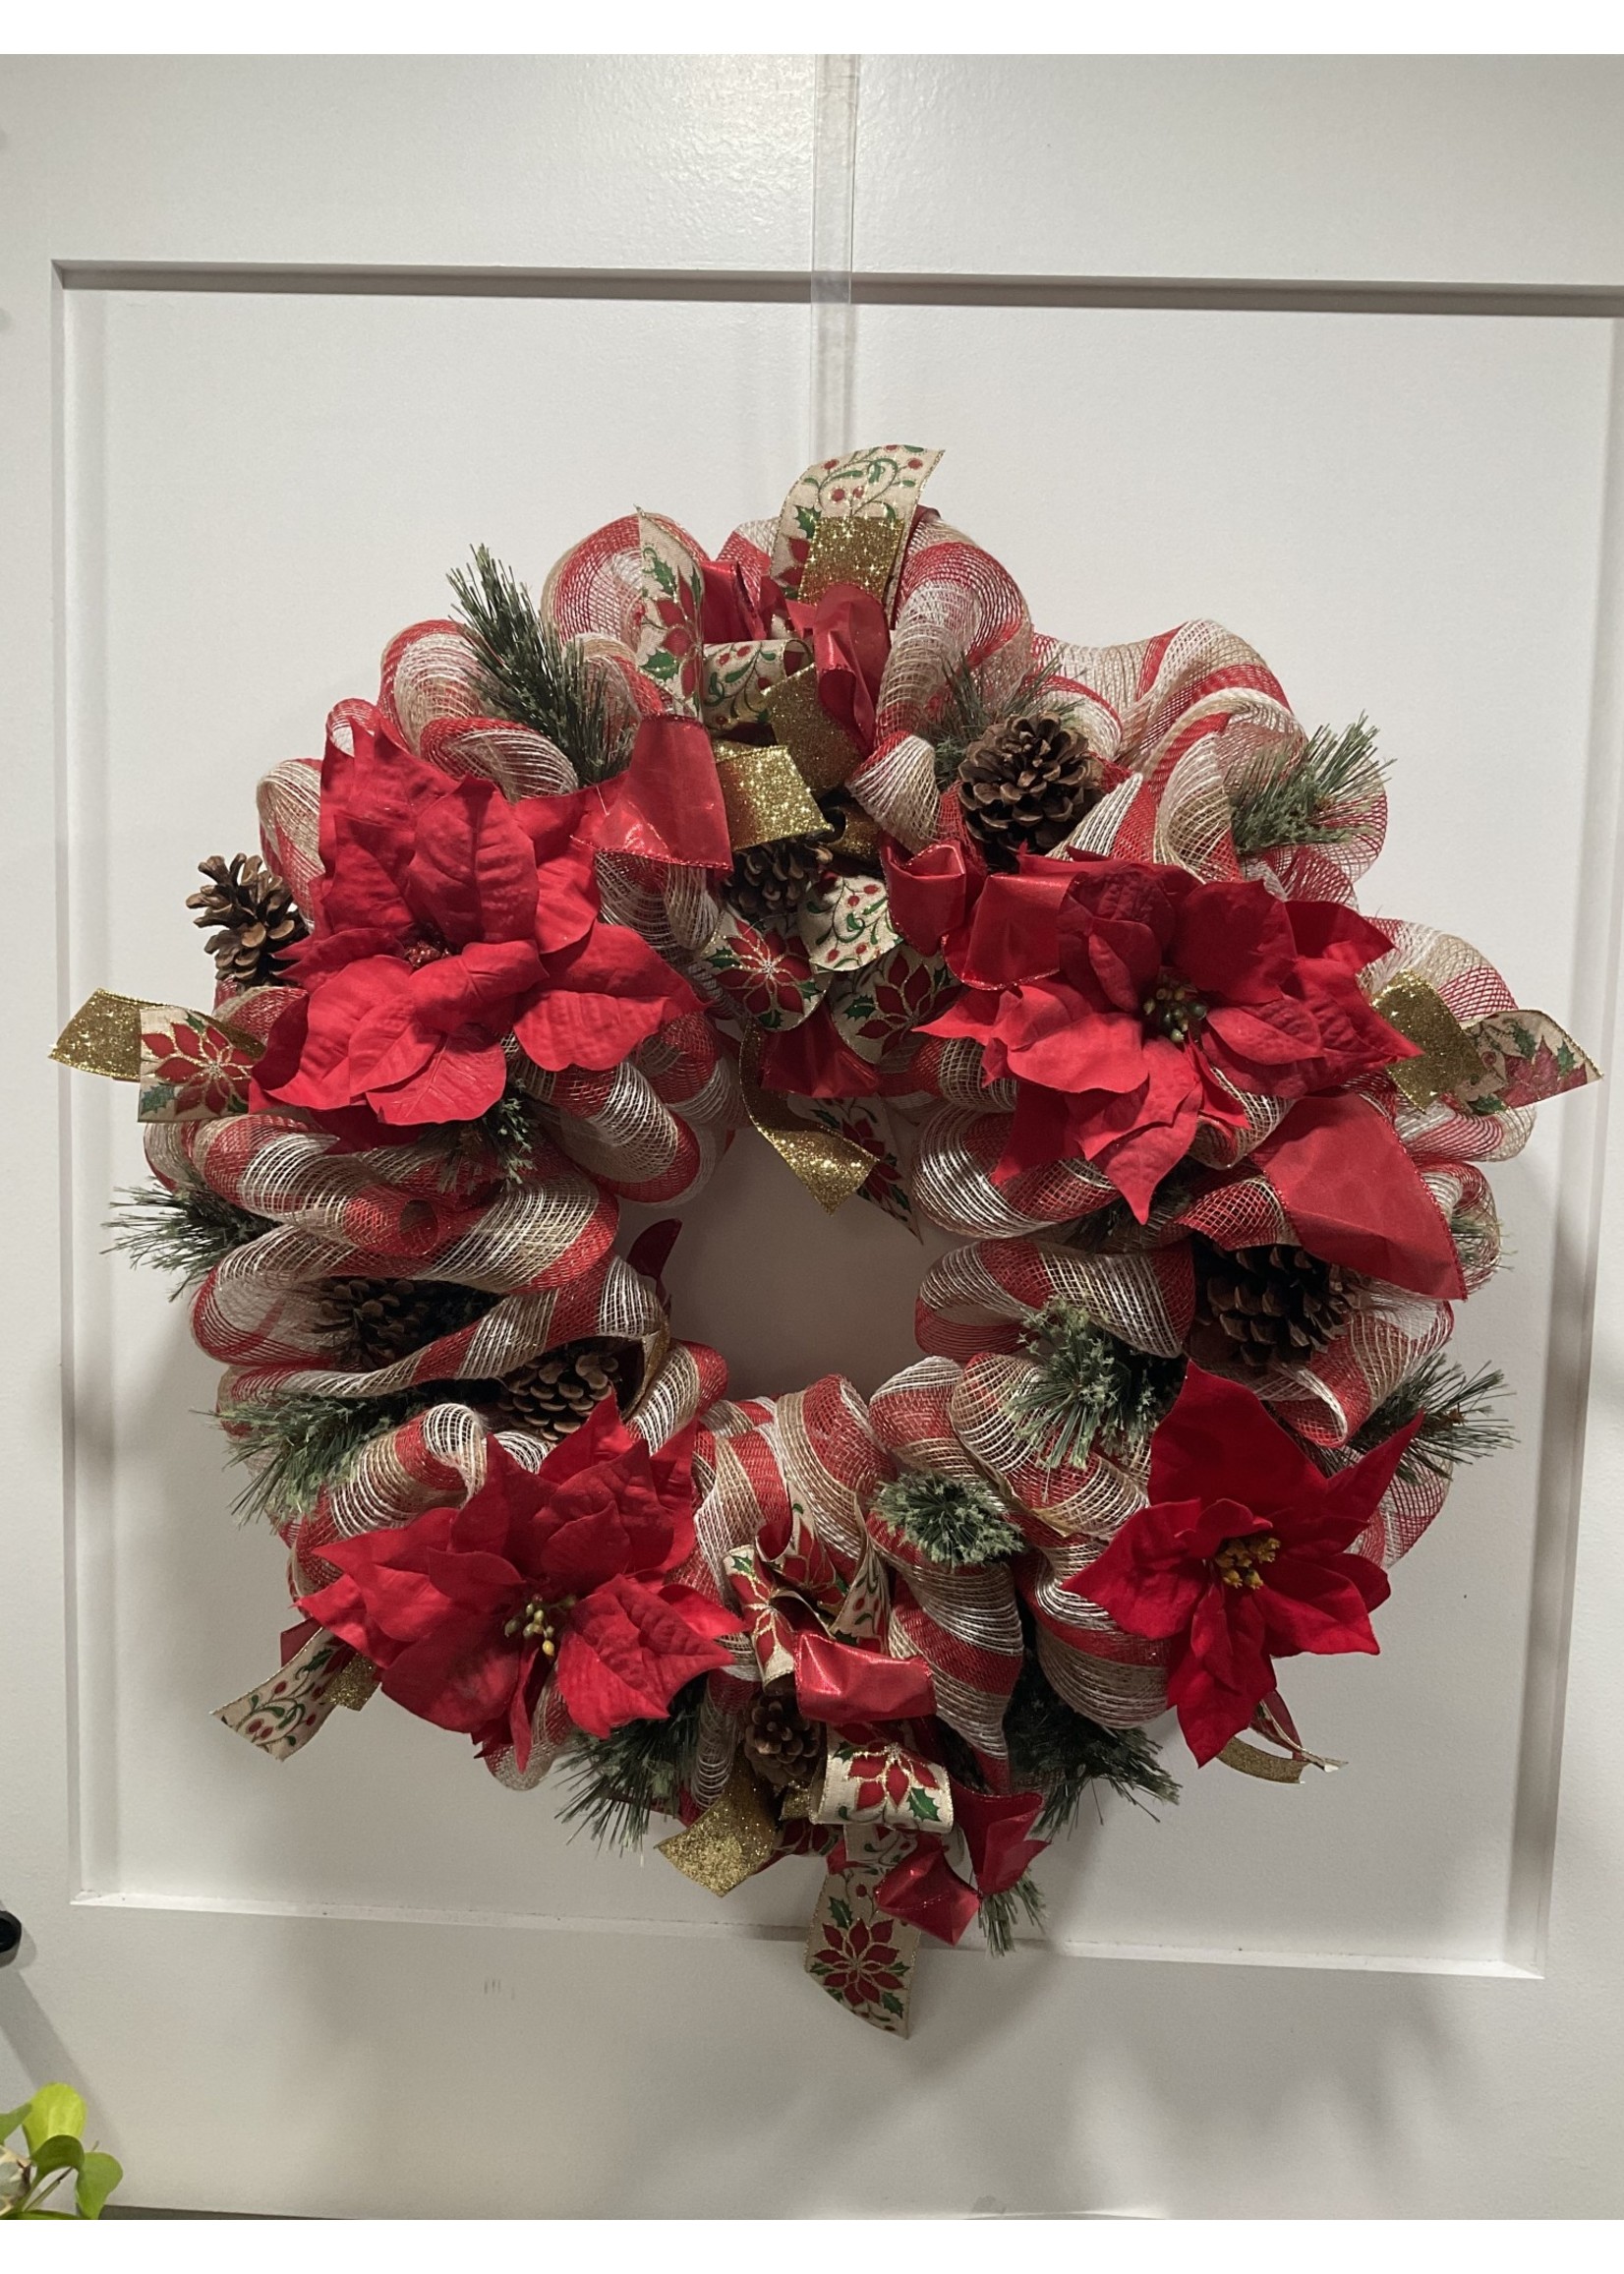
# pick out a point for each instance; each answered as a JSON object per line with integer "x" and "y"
{"x": 540, "y": 1622}
{"x": 1237, "y": 1561}
{"x": 424, "y": 946}
{"x": 1173, "y": 1008}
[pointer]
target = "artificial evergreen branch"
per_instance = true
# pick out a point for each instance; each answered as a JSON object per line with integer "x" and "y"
{"x": 1088, "y": 1385}
{"x": 998, "y": 1913}
{"x": 1063, "y": 1753}
{"x": 963, "y": 713}
{"x": 512, "y": 1131}
{"x": 299, "y": 1444}
{"x": 948, "y": 1519}
{"x": 187, "y": 1229}
{"x": 1457, "y": 1423}
{"x": 527, "y": 674}
{"x": 638, "y": 1770}
{"x": 1323, "y": 793}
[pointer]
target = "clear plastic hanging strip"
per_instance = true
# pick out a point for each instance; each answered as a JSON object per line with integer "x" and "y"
{"x": 834, "y": 200}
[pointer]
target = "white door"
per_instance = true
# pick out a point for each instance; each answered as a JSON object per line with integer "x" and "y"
{"x": 1324, "y": 350}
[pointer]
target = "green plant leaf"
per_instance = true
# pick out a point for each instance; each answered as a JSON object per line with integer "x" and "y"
{"x": 13, "y": 2118}
{"x": 100, "y": 2176}
{"x": 56, "y": 2111}
{"x": 60, "y": 2153}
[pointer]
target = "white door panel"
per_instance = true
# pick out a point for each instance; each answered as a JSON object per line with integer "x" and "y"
{"x": 1410, "y": 514}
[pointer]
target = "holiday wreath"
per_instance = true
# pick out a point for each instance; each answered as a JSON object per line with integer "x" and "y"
{"x": 1052, "y": 947}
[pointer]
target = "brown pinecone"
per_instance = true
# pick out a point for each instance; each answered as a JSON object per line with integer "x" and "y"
{"x": 769, "y": 881}
{"x": 780, "y": 1743}
{"x": 256, "y": 915}
{"x": 551, "y": 1395}
{"x": 375, "y": 1321}
{"x": 1024, "y": 787}
{"x": 1264, "y": 1306}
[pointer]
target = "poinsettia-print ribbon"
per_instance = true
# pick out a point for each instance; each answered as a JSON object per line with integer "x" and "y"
{"x": 188, "y": 1065}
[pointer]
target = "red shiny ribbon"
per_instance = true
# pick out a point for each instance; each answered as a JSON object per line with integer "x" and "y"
{"x": 851, "y": 639}
{"x": 834, "y": 1681}
{"x": 929, "y": 1894}
{"x": 667, "y": 804}
{"x": 1355, "y": 1197}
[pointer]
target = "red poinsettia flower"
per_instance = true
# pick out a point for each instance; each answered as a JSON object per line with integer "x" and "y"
{"x": 558, "y": 1575}
{"x": 1241, "y": 1556}
{"x": 446, "y": 919}
{"x": 1133, "y": 1002}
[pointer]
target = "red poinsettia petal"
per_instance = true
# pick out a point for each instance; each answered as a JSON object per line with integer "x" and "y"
{"x": 625, "y": 1654}
{"x": 321, "y": 1032}
{"x": 472, "y": 875}
{"x": 1220, "y": 1442}
{"x": 1264, "y": 1038}
{"x": 365, "y": 858}
{"x": 458, "y": 1081}
{"x": 1325, "y": 929}
{"x": 1351, "y": 1497}
{"x": 601, "y": 999}
{"x": 1137, "y": 1139}
{"x": 566, "y": 902}
{"x": 462, "y": 1677}
{"x": 1051, "y": 1035}
{"x": 1309, "y": 1604}
{"x": 1210, "y": 1712}
{"x": 1227, "y": 1636}
{"x": 1233, "y": 942}
{"x": 1147, "y": 1578}
{"x": 473, "y": 1579}
{"x": 1121, "y": 959}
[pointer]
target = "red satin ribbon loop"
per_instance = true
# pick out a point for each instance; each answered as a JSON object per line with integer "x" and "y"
{"x": 850, "y": 640}
{"x": 836, "y": 1683}
{"x": 667, "y": 804}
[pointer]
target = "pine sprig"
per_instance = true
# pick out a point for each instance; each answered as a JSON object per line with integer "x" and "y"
{"x": 637, "y": 1772}
{"x": 948, "y": 1519}
{"x": 998, "y": 1913}
{"x": 1088, "y": 1385}
{"x": 512, "y": 1131}
{"x": 1322, "y": 795}
{"x": 1458, "y": 1419}
{"x": 530, "y": 675}
{"x": 1063, "y": 1753}
{"x": 300, "y": 1444}
{"x": 186, "y": 1230}
{"x": 964, "y": 714}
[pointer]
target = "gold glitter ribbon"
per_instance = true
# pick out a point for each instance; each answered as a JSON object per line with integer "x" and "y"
{"x": 1421, "y": 1015}
{"x": 765, "y": 795}
{"x": 820, "y": 747}
{"x": 854, "y": 549}
{"x": 731, "y": 1843}
{"x": 828, "y": 1165}
{"x": 355, "y": 1682}
{"x": 103, "y": 1036}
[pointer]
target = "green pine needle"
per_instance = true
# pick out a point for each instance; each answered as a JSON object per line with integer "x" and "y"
{"x": 186, "y": 1230}
{"x": 1088, "y": 1385}
{"x": 1458, "y": 1419}
{"x": 998, "y": 1913}
{"x": 1321, "y": 795}
{"x": 512, "y": 1131}
{"x": 300, "y": 1444}
{"x": 530, "y": 675}
{"x": 963, "y": 713}
{"x": 1063, "y": 1753}
{"x": 950, "y": 1520}
{"x": 638, "y": 1770}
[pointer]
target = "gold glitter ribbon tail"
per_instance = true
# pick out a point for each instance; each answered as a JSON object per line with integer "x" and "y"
{"x": 103, "y": 1036}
